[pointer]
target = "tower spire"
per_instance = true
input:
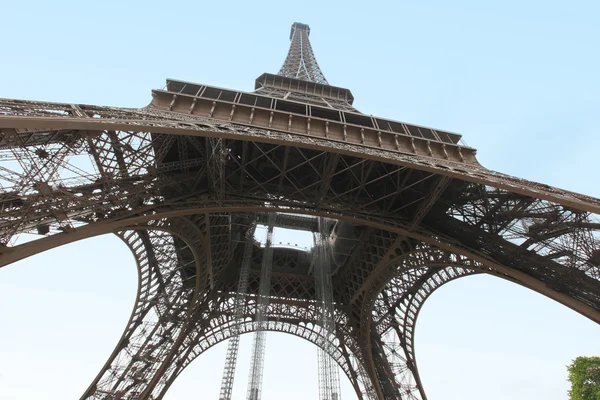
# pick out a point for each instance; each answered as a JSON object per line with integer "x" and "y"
{"x": 301, "y": 62}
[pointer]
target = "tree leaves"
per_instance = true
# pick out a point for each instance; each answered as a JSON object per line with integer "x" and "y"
{"x": 584, "y": 375}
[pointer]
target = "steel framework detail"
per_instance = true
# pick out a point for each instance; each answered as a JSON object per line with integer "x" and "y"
{"x": 301, "y": 62}
{"x": 404, "y": 209}
{"x": 260, "y": 337}
{"x": 234, "y": 342}
{"x": 329, "y": 380}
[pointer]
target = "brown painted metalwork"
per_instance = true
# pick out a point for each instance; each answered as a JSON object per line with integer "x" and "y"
{"x": 183, "y": 179}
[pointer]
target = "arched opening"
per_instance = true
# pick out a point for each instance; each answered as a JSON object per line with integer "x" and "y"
{"x": 290, "y": 371}
{"x": 62, "y": 313}
{"x": 101, "y": 256}
{"x": 482, "y": 337}
{"x": 78, "y": 335}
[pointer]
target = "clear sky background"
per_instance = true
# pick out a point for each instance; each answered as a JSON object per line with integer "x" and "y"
{"x": 519, "y": 79}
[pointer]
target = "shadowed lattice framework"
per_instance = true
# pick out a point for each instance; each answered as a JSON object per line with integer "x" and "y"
{"x": 182, "y": 180}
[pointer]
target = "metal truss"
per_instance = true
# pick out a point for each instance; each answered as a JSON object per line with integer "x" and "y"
{"x": 160, "y": 311}
{"x": 220, "y": 319}
{"x": 396, "y": 311}
{"x": 562, "y": 234}
{"x": 234, "y": 342}
{"x": 182, "y": 180}
{"x": 14, "y": 178}
{"x": 329, "y": 381}
{"x": 260, "y": 337}
{"x": 390, "y": 309}
{"x": 301, "y": 62}
{"x": 300, "y": 318}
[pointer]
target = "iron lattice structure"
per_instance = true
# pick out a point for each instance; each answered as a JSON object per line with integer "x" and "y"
{"x": 301, "y": 62}
{"x": 182, "y": 180}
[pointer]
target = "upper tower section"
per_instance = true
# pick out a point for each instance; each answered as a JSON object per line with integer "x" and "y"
{"x": 300, "y": 62}
{"x": 299, "y": 100}
{"x": 300, "y": 79}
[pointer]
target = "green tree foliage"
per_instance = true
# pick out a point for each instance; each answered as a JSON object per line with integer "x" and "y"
{"x": 584, "y": 375}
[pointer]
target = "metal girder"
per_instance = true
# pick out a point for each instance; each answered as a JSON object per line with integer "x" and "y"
{"x": 300, "y": 62}
{"x": 329, "y": 380}
{"x": 234, "y": 342}
{"x": 184, "y": 178}
{"x": 396, "y": 310}
{"x": 396, "y": 294}
{"x": 259, "y": 343}
{"x": 159, "y": 314}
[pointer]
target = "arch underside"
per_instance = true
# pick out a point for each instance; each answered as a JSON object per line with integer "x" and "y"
{"x": 162, "y": 341}
{"x": 181, "y": 191}
{"x": 169, "y": 328}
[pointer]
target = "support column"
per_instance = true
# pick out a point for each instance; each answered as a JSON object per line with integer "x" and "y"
{"x": 392, "y": 330}
{"x": 329, "y": 379}
{"x": 258, "y": 347}
{"x": 234, "y": 342}
{"x": 157, "y": 319}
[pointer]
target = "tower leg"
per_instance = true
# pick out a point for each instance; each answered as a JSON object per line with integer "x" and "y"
{"x": 157, "y": 320}
{"x": 234, "y": 342}
{"x": 393, "y": 325}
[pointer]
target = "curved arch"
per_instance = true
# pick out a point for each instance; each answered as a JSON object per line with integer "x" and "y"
{"x": 422, "y": 268}
{"x": 300, "y": 318}
{"x": 394, "y": 302}
{"x": 160, "y": 310}
{"x": 409, "y": 274}
{"x": 457, "y": 238}
{"x": 399, "y": 307}
{"x": 446, "y": 244}
{"x": 222, "y": 333}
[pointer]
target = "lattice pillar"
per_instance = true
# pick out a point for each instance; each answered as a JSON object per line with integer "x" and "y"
{"x": 217, "y": 324}
{"x": 160, "y": 312}
{"x": 365, "y": 390}
{"x": 234, "y": 342}
{"x": 216, "y": 157}
{"x": 157, "y": 318}
{"x": 392, "y": 330}
{"x": 259, "y": 344}
{"x": 301, "y": 62}
{"x": 329, "y": 380}
{"x": 383, "y": 370}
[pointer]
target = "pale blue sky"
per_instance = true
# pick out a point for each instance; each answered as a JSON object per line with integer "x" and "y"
{"x": 518, "y": 79}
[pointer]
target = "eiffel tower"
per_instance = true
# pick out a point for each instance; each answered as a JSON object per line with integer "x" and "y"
{"x": 398, "y": 211}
